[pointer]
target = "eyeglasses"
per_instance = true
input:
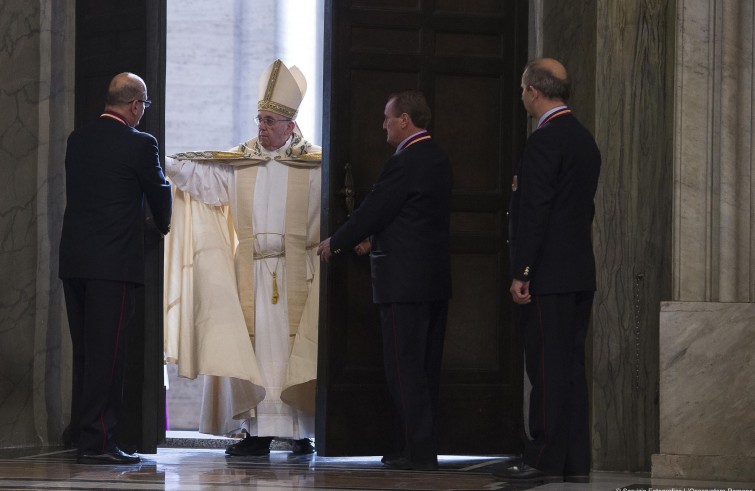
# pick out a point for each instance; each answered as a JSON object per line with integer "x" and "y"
{"x": 268, "y": 121}
{"x": 146, "y": 103}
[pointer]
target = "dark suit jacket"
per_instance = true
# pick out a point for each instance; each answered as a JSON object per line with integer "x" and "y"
{"x": 110, "y": 168}
{"x": 406, "y": 215}
{"x": 552, "y": 209}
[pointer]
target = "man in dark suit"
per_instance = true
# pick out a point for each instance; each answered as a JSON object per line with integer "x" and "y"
{"x": 553, "y": 270}
{"x": 406, "y": 215}
{"x": 110, "y": 168}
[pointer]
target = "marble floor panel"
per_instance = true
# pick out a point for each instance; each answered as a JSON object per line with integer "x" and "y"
{"x": 189, "y": 469}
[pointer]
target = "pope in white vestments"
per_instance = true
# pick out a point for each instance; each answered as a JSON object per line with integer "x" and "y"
{"x": 241, "y": 288}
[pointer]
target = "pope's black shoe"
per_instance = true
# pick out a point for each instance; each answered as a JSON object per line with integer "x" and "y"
{"x": 302, "y": 447}
{"x": 113, "y": 457}
{"x": 525, "y": 473}
{"x": 250, "y": 446}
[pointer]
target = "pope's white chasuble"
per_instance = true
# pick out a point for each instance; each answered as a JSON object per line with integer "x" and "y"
{"x": 244, "y": 232}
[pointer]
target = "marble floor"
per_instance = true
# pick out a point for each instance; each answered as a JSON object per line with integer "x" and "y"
{"x": 189, "y": 469}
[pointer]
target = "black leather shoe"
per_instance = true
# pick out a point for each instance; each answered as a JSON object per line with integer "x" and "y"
{"x": 114, "y": 457}
{"x": 70, "y": 439}
{"x": 302, "y": 447}
{"x": 396, "y": 462}
{"x": 404, "y": 464}
{"x": 390, "y": 457}
{"x": 523, "y": 472}
{"x": 250, "y": 446}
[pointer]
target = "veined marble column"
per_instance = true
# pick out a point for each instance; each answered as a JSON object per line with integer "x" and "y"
{"x": 36, "y": 53}
{"x": 707, "y": 334}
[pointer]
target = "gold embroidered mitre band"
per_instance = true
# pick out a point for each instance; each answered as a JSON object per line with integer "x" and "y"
{"x": 281, "y": 89}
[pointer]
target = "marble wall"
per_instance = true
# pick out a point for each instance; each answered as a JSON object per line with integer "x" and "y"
{"x": 36, "y": 53}
{"x": 707, "y": 370}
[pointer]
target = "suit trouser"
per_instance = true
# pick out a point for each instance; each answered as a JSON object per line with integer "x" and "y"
{"x": 99, "y": 313}
{"x": 413, "y": 335}
{"x": 554, "y": 328}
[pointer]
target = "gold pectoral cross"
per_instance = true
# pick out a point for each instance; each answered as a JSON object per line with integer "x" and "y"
{"x": 275, "y": 288}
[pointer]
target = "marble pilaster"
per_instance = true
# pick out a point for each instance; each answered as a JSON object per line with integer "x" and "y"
{"x": 714, "y": 258}
{"x": 36, "y": 56}
{"x": 707, "y": 374}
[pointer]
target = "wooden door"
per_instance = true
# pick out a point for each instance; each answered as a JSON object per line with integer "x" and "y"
{"x": 467, "y": 57}
{"x": 114, "y": 37}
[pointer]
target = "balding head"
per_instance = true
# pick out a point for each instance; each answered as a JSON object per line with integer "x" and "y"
{"x": 553, "y": 66}
{"x": 549, "y": 77}
{"x": 126, "y": 95}
{"x": 124, "y": 88}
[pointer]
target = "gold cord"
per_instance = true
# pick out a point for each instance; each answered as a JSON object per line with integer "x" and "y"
{"x": 274, "y": 272}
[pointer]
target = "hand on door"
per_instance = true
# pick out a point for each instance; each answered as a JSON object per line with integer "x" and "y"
{"x": 323, "y": 250}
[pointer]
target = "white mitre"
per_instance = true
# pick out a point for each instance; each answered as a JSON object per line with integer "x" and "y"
{"x": 281, "y": 89}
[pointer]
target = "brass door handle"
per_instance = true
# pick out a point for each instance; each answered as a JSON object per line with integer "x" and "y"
{"x": 348, "y": 189}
